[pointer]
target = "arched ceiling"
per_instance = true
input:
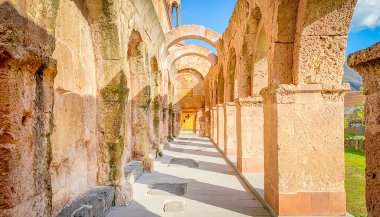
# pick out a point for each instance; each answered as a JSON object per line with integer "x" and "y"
{"x": 193, "y": 62}
{"x": 185, "y": 32}
{"x": 180, "y": 51}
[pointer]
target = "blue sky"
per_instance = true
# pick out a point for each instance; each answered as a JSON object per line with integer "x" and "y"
{"x": 215, "y": 14}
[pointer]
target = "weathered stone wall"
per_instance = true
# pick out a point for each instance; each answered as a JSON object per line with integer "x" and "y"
{"x": 74, "y": 139}
{"x": 66, "y": 107}
{"x": 27, "y": 72}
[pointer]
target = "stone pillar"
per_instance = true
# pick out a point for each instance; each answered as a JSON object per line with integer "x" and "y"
{"x": 220, "y": 126}
{"x": 211, "y": 125}
{"x": 304, "y": 150}
{"x": 367, "y": 62}
{"x": 202, "y": 119}
{"x": 250, "y": 134}
{"x": 177, "y": 121}
{"x": 230, "y": 147}
{"x": 215, "y": 124}
{"x": 207, "y": 123}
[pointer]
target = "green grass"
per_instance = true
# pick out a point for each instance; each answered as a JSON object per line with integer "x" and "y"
{"x": 348, "y": 135}
{"x": 355, "y": 182}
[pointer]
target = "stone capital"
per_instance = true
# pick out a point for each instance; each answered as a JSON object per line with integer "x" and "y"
{"x": 219, "y": 106}
{"x": 229, "y": 104}
{"x": 287, "y": 93}
{"x": 249, "y": 102}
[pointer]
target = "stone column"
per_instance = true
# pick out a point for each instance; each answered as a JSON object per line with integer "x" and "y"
{"x": 202, "y": 119}
{"x": 211, "y": 125}
{"x": 177, "y": 121}
{"x": 215, "y": 124}
{"x": 230, "y": 148}
{"x": 367, "y": 62}
{"x": 220, "y": 126}
{"x": 207, "y": 123}
{"x": 304, "y": 150}
{"x": 250, "y": 134}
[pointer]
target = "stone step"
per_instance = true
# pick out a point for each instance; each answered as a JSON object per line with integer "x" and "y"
{"x": 133, "y": 170}
{"x": 95, "y": 202}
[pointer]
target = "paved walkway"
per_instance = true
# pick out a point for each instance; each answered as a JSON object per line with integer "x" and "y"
{"x": 211, "y": 187}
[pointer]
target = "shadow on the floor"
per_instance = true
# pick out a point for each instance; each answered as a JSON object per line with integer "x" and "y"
{"x": 134, "y": 209}
{"x": 182, "y": 139}
{"x": 213, "y": 195}
{"x": 192, "y": 144}
{"x": 197, "y": 151}
{"x": 203, "y": 165}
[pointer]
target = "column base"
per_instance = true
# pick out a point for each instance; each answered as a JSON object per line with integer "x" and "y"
{"x": 250, "y": 165}
{"x": 310, "y": 204}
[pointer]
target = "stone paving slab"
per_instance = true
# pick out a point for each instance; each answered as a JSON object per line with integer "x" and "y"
{"x": 213, "y": 189}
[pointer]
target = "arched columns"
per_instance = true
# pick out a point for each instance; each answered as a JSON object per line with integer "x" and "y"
{"x": 250, "y": 134}
{"x": 303, "y": 149}
{"x": 220, "y": 125}
{"x": 230, "y": 147}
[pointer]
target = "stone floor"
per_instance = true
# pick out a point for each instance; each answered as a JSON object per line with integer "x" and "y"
{"x": 208, "y": 185}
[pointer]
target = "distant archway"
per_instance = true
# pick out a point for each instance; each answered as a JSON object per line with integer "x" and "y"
{"x": 191, "y": 50}
{"x": 185, "y": 32}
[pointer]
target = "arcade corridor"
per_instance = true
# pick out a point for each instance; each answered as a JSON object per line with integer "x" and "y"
{"x": 213, "y": 188}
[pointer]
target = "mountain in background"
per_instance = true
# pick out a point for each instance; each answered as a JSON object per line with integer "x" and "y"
{"x": 352, "y": 76}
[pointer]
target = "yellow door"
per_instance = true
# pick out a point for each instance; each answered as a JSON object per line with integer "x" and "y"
{"x": 187, "y": 121}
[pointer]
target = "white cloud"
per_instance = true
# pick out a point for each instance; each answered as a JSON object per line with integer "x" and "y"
{"x": 366, "y": 15}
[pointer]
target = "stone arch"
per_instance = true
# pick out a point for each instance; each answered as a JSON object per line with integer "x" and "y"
{"x": 140, "y": 99}
{"x": 281, "y": 60}
{"x": 230, "y": 87}
{"x": 220, "y": 87}
{"x": 194, "y": 62}
{"x": 185, "y": 32}
{"x": 321, "y": 25}
{"x": 191, "y": 50}
{"x": 260, "y": 68}
{"x": 245, "y": 78}
{"x": 193, "y": 71}
{"x": 190, "y": 91}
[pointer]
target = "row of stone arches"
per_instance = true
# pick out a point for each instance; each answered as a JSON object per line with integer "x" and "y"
{"x": 266, "y": 75}
{"x": 79, "y": 119}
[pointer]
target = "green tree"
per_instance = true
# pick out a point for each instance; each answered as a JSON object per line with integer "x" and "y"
{"x": 359, "y": 113}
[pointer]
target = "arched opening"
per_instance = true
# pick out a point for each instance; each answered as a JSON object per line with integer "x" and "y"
{"x": 179, "y": 52}
{"x": 190, "y": 97}
{"x": 140, "y": 100}
{"x": 231, "y": 92}
{"x": 220, "y": 87}
{"x": 260, "y": 68}
{"x": 245, "y": 79}
{"x": 175, "y": 15}
{"x": 185, "y": 32}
